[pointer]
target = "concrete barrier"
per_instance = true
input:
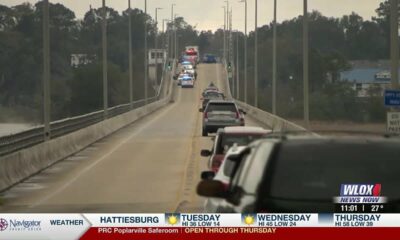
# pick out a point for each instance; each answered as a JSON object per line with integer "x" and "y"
{"x": 20, "y": 165}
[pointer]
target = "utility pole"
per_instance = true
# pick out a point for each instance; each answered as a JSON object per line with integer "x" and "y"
{"x": 172, "y": 28}
{"x": 156, "y": 44}
{"x": 274, "y": 63}
{"x": 176, "y": 40}
{"x": 224, "y": 57}
{"x": 130, "y": 56}
{"x": 394, "y": 43}
{"x": 245, "y": 51}
{"x": 145, "y": 55}
{"x": 256, "y": 57}
{"x": 305, "y": 66}
{"x": 105, "y": 79}
{"x": 46, "y": 71}
{"x": 237, "y": 66}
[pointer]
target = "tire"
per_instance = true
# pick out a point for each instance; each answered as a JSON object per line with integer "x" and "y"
{"x": 204, "y": 133}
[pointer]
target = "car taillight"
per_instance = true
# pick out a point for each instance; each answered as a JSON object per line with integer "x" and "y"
{"x": 205, "y": 115}
{"x": 237, "y": 114}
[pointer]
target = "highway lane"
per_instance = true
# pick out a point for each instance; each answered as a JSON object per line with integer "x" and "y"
{"x": 152, "y": 165}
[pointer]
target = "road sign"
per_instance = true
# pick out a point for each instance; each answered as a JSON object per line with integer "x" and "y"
{"x": 393, "y": 122}
{"x": 392, "y": 98}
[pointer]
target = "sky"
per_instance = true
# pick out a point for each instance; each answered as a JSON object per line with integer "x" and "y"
{"x": 209, "y": 14}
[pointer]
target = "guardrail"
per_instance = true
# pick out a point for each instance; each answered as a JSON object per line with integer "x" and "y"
{"x": 14, "y": 142}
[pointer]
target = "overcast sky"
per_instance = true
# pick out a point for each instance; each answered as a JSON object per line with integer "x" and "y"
{"x": 208, "y": 14}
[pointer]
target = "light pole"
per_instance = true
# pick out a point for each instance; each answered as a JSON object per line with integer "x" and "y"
{"x": 305, "y": 65}
{"x": 256, "y": 58}
{"x": 227, "y": 34}
{"x": 171, "y": 33}
{"x": 105, "y": 80}
{"x": 237, "y": 66}
{"x": 156, "y": 45}
{"x": 145, "y": 55}
{"x": 394, "y": 47}
{"x": 46, "y": 71}
{"x": 130, "y": 56}
{"x": 274, "y": 62}
{"x": 245, "y": 50}
{"x": 176, "y": 40}
{"x": 223, "y": 54}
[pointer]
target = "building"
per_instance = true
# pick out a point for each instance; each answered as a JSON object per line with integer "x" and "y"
{"x": 368, "y": 81}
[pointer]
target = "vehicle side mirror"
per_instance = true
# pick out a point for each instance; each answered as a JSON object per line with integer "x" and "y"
{"x": 200, "y": 109}
{"x": 242, "y": 111}
{"x": 211, "y": 188}
{"x": 205, "y": 153}
{"x": 207, "y": 175}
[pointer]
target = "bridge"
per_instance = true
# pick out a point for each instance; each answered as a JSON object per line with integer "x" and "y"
{"x": 150, "y": 164}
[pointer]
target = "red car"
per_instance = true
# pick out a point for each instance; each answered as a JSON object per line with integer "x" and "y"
{"x": 225, "y": 139}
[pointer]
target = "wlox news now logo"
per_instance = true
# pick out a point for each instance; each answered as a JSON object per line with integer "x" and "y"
{"x": 360, "y": 193}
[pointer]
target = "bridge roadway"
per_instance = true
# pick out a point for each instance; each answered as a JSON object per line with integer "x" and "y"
{"x": 152, "y": 165}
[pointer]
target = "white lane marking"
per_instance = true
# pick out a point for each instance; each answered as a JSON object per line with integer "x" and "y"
{"x": 127, "y": 139}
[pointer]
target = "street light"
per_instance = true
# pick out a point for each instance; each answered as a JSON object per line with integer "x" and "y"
{"x": 130, "y": 56}
{"x": 46, "y": 70}
{"x": 171, "y": 33}
{"x": 223, "y": 54}
{"x": 256, "y": 57}
{"x": 237, "y": 66}
{"x": 394, "y": 47}
{"x": 305, "y": 65}
{"x": 145, "y": 54}
{"x": 274, "y": 62}
{"x": 227, "y": 28}
{"x": 105, "y": 80}
{"x": 155, "y": 44}
{"x": 245, "y": 50}
{"x": 176, "y": 40}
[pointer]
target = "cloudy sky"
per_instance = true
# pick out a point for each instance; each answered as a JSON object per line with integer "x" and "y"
{"x": 208, "y": 14}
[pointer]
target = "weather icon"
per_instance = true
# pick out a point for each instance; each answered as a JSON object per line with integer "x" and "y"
{"x": 172, "y": 218}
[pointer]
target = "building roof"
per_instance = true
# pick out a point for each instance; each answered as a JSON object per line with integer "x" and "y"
{"x": 363, "y": 75}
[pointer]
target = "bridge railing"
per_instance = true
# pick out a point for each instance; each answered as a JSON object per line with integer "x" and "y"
{"x": 14, "y": 142}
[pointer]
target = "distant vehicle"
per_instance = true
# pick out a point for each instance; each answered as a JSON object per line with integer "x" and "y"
{"x": 211, "y": 86}
{"x": 223, "y": 175}
{"x": 302, "y": 174}
{"x": 209, "y": 58}
{"x": 226, "y": 138}
{"x": 220, "y": 114}
{"x": 189, "y": 69}
{"x": 187, "y": 82}
{"x": 210, "y": 95}
{"x": 193, "y": 53}
{"x": 180, "y": 77}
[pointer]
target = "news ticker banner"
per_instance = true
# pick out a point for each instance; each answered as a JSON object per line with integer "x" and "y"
{"x": 193, "y": 226}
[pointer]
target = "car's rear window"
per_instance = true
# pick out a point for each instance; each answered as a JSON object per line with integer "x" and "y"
{"x": 315, "y": 171}
{"x": 213, "y": 95}
{"x": 227, "y": 141}
{"x": 228, "y": 107}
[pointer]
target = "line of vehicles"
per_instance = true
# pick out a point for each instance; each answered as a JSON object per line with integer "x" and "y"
{"x": 253, "y": 170}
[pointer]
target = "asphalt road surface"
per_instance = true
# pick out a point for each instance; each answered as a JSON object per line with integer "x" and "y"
{"x": 150, "y": 166}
